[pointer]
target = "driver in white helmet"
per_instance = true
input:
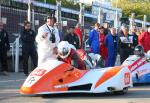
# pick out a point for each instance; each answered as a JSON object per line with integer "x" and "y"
{"x": 68, "y": 55}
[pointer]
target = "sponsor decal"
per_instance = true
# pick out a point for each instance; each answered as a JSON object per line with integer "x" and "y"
{"x": 143, "y": 72}
{"x": 137, "y": 64}
{"x": 61, "y": 86}
{"x": 31, "y": 80}
{"x": 38, "y": 72}
{"x": 127, "y": 78}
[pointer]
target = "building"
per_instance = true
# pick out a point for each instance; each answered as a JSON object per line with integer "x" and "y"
{"x": 106, "y": 13}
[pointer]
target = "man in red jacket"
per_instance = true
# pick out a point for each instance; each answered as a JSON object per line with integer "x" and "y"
{"x": 145, "y": 39}
{"x": 69, "y": 55}
{"x": 78, "y": 32}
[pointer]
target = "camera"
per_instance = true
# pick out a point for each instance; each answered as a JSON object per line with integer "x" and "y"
{"x": 52, "y": 38}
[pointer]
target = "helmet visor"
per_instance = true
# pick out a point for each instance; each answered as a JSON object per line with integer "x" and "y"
{"x": 136, "y": 52}
{"x": 63, "y": 53}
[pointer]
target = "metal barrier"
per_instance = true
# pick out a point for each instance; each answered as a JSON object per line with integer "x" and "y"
{"x": 15, "y": 53}
{"x": 12, "y": 50}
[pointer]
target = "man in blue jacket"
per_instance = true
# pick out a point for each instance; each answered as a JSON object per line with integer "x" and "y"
{"x": 94, "y": 39}
{"x": 111, "y": 43}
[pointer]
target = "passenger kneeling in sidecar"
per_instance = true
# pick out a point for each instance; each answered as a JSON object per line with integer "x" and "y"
{"x": 68, "y": 55}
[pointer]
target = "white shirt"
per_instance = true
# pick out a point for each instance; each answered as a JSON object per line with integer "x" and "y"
{"x": 45, "y": 42}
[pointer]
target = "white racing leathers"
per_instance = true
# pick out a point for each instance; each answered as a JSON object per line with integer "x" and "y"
{"x": 45, "y": 45}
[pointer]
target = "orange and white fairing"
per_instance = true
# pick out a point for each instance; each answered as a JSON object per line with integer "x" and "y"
{"x": 58, "y": 77}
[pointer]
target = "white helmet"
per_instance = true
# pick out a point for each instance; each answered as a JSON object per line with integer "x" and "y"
{"x": 64, "y": 49}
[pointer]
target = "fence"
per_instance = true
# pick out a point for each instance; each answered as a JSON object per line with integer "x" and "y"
{"x": 14, "y": 18}
{"x": 13, "y": 23}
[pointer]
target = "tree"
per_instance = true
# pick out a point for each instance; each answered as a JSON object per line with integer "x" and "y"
{"x": 68, "y": 4}
{"x": 139, "y": 7}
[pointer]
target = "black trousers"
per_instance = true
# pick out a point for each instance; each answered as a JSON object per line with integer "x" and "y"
{"x": 29, "y": 50}
{"x": 124, "y": 54}
{"x": 3, "y": 60}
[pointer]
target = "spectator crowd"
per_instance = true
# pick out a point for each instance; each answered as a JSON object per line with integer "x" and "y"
{"x": 106, "y": 42}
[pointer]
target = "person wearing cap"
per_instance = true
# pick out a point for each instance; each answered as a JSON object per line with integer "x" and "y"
{"x": 94, "y": 39}
{"x": 72, "y": 38}
{"x": 28, "y": 46}
{"x": 4, "y": 47}
{"x": 47, "y": 40}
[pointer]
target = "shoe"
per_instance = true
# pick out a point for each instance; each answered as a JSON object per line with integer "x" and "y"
{"x": 5, "y": 73}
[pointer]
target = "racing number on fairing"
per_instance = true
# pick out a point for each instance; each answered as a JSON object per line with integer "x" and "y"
{"x": 127, "y": 78}
{"x": 31, "y": 79}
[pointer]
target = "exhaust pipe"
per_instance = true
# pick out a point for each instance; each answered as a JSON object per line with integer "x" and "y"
{"x": 111, "y": 89}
